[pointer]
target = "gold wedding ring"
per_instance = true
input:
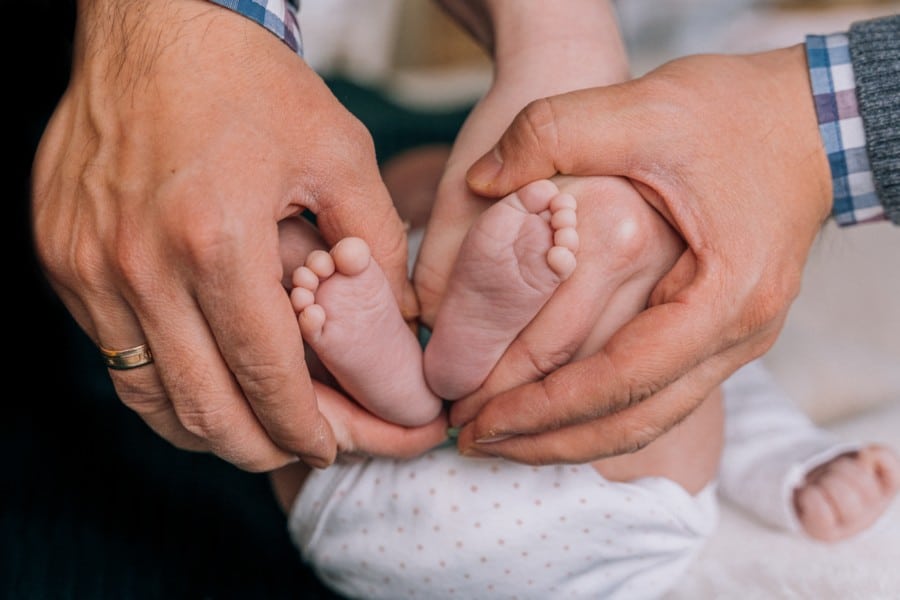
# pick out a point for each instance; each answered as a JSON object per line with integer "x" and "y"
{"x": 129, "y": 358}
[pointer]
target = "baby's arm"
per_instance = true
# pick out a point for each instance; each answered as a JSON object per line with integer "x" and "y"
{"x": 783, "y": 469}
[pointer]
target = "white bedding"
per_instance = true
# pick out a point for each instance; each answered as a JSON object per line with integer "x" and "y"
{"x": 749, "y": 561}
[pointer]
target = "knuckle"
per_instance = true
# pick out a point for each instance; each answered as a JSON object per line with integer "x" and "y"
{"x": 666, "y": 89}
{"x": 127, "y": 259}
{"x": 49, "y": 248}
{"x": 637, "y": 436}
{"x": 354, "y": 143}
{"x": 541, "y": 362}
{"x": 141, "y": 399}
{"x": 360, "y": 136}
{"x": 207, "y": 244}
{"x": 207, "y": 421}
{"x": 768, "y": 305}
{"x": 760, "y": 342}
{"x": 637, "y": 392}
{"x": 637, "y": 440}
{"x": 546, "y": 406}
{"x": 85, "y": 266}
{"x": 262, "y": 381}
{"x": 538, "y": 119}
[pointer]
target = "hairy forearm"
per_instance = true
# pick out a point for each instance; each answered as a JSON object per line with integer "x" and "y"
{"x": 118, "y": 42}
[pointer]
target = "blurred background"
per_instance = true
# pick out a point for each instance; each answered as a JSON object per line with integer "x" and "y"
{"x": 93, "y": 505}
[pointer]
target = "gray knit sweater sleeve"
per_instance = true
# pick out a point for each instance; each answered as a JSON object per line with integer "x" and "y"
{"x": 875, "y": 53}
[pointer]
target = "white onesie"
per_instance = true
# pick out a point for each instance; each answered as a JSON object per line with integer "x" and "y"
{"x": 444, "y": 526}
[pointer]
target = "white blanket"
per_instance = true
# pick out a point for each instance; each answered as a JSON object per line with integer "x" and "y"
{"x": 750, "y": 561}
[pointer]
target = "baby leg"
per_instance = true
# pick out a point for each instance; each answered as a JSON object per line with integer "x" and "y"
{"x": 847, "y": 494}
{"x": 350, "y": 318}
{"x": 510, "y": 263}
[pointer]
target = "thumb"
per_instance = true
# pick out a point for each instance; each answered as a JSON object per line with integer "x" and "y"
{"x": 358, "y": 431}
{"x": 584, "y": 132}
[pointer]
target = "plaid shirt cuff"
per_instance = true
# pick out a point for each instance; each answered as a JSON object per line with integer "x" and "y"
{"x": 834, "y": 90}
{"x": 278, "y": 16}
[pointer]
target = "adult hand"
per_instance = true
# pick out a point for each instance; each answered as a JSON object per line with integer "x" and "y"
{"x": 186, "y": 134}
{"x": 360, "y": 433}
{"x": 727, "y": 149}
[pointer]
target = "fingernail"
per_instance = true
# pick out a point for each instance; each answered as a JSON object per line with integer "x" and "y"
{"x": 316, "y": 462}
{"x": 473, "y": 453}
{"x": 494, "y": 438}
{"x": 410, "y": 305}
{"x": 486, "y": 169}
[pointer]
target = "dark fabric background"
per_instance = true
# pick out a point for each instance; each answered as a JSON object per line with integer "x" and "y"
{"x": 92, "y": 503}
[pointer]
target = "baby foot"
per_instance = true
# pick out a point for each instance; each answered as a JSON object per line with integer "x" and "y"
{"x": 848, "y": 494}
{"x": 349, "y": 316}
{"x": 510, "y": 263}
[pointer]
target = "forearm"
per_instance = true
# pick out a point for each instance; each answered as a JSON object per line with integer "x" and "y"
{"x": 577, "y": 42}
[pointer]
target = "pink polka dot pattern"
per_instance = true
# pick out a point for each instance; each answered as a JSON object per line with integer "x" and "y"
{"x": 441, "y": 526}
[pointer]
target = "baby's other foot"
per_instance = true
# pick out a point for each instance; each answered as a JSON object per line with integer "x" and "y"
{"x": 510, "y": 263}
{"x": 349, "y": 316}
{"x": 848, "y": 494}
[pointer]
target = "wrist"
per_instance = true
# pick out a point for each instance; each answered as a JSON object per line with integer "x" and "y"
{"x": 854, "y": 199}
{"x": 278, "y": 16}
{"x": 790, "y": 95}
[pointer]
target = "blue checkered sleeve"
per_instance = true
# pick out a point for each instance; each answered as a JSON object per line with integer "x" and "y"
{"x": 834, "y": 90}
{"x": 278, "y": 16}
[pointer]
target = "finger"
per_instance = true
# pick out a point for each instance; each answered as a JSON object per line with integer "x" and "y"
{"x": 844, "y": 499}
{"x": 578, "y": 133}
{"x": 657, "y": 347}
{"x": 203, "y": 393}
{"x": 815, "y": 511}
{"x": 297, "y": 237}
{"x": 140, "y": 389}
{"x": 886, "y": 466}
{"x": 857, "y": 475}
{"x": 360, "y": 206}
{"x": 359, "y": 431}
{"x": 625, "y": 431}
{"x": 252, "y": 326}
{"x": 113, "y": 325}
